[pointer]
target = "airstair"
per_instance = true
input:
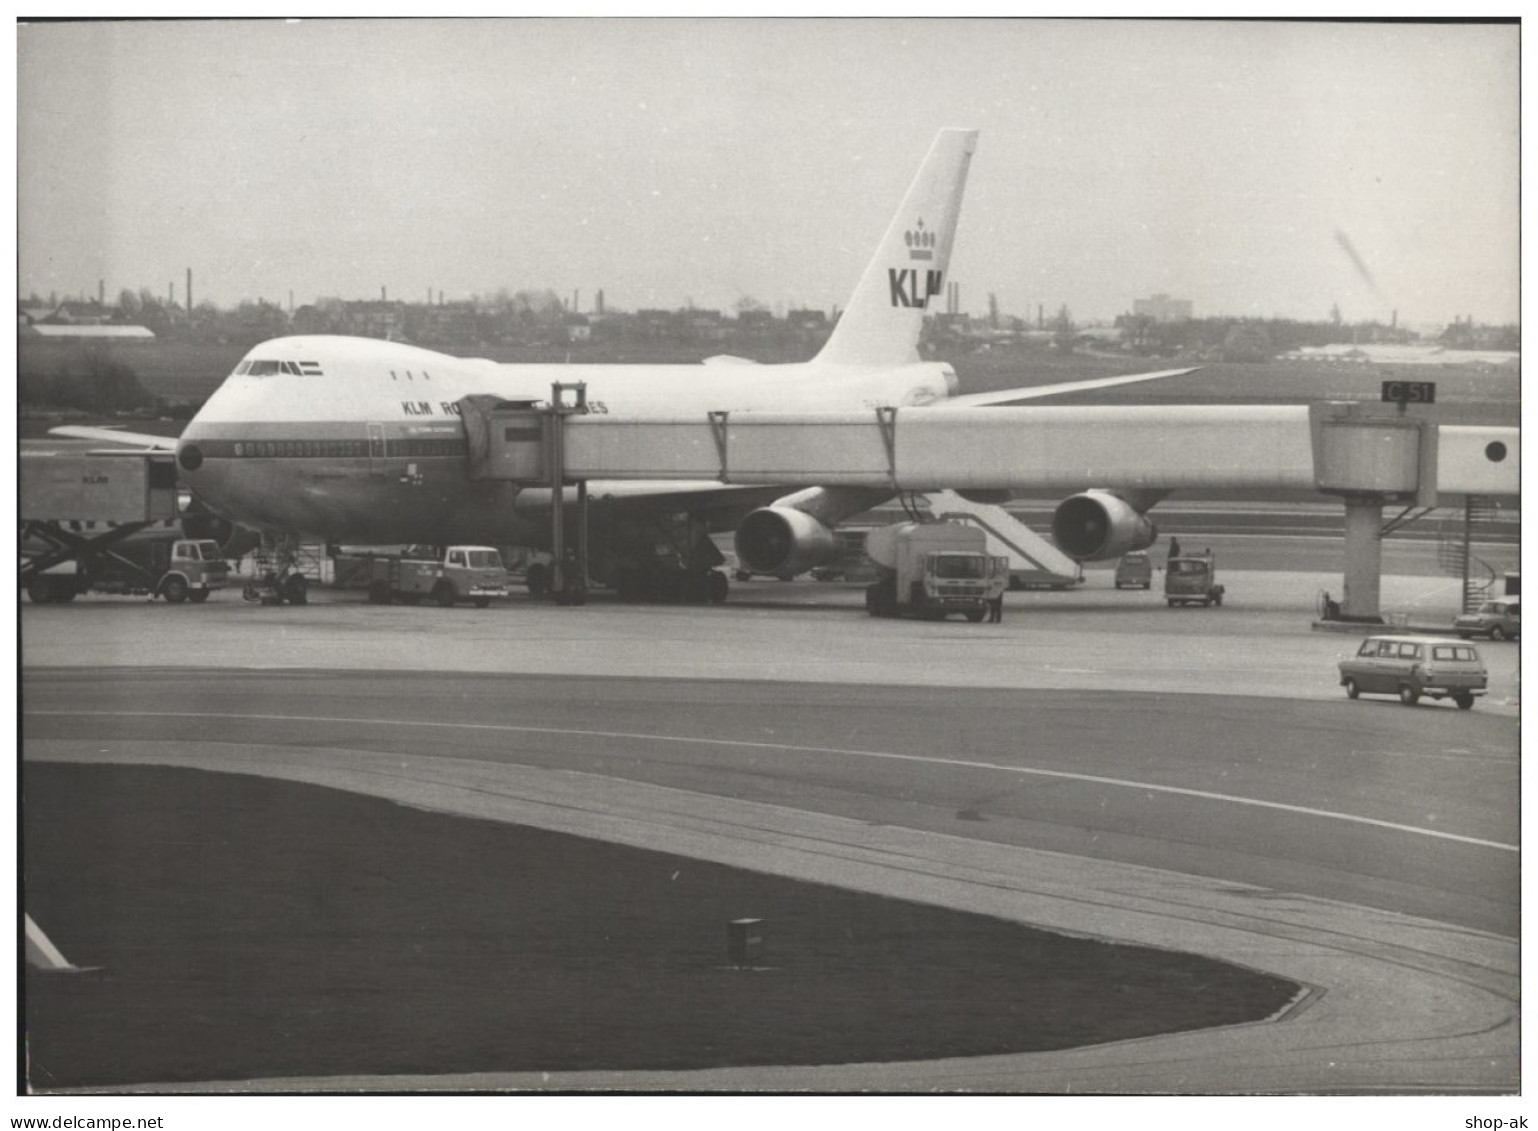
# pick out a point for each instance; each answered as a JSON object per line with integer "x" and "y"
{"x": 1034, "y": 562}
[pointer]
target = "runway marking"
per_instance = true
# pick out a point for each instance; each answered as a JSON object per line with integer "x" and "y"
{"x": 923, "y": 759}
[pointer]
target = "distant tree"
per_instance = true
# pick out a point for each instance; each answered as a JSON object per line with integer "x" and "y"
{"x": 128, "y": 303}
{"x": 545, "y": 305}
{"x": 1247, "y": 341}
{"x": 89, "y": 379}
{"x": 1063, "y": 330}
{"x": 1507, "y": 338}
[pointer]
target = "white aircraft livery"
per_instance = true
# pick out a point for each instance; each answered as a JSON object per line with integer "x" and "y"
{"x": 360, "y": 441}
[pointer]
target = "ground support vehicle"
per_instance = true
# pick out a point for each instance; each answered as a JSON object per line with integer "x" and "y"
{"x": 276, "y": 579}
{"x": 1499, "y": 620}
{"x": 448, "y": 574}
{"x": 1134, "y": 571}
{"x": 1192, "y": 580}
{"x": 1413, "y": 666}
{"x": 109, "y": 522}
{"x": 932, "y": 569}
{"x": 159, "y": 563}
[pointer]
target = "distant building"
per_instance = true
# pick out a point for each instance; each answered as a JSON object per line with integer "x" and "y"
{"x": 807, "y": 321}
{"x": 72, "y": 313}
{"x": 958, "y": 324}
{"x": 381, "y": 319}
{"x": 1162, "y": 308}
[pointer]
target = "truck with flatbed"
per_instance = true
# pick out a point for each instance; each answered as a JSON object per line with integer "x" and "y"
{"x": 932, "y": 569}
{"x": 446, "y": 574}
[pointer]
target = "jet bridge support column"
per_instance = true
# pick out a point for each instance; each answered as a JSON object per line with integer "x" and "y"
{"x": 568, "y": 581}
{"x": 1364, "y": 559}
{"x": 1370, "y": 454}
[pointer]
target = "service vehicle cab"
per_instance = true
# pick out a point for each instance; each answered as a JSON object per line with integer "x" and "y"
{"x": 447, "y": 574}
{"x": 932, "y": 569}
{"x": 1412, "y": 666}
{"x": 1499, "y": 620}
{"x": 1134, "y": 571}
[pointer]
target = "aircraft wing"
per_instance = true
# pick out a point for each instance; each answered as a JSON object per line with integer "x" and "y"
{"x": 115, "y": 436}
{"x": 1016, "y": 396}
{"x": 642, "y": 496}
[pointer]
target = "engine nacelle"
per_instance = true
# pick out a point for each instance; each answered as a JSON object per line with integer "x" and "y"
{"x": 783, "y": 541}
{"x": 1094, "y": 525}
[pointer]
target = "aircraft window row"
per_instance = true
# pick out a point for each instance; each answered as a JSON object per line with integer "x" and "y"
{"x": 426, "y": 448}
{"x": 302, "y": 448}
{"x": 426, "y": 376}
{"x": 347, "y": 448}
{"x": 272, "y": 368}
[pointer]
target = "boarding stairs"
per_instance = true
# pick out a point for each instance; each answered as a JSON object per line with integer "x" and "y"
{"x": 1034, "y": 562}
{"x": 1455, "y": 555}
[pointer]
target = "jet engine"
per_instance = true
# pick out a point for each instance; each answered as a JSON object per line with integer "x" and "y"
{"x": 1094, "y": 525}
{"x": 783, "y": 541}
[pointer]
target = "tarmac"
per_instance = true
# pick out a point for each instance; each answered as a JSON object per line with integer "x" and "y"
{"x": 1395, "y": 1004}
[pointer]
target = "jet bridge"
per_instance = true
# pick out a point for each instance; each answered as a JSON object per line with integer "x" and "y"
{"x": 1367, "y": 454}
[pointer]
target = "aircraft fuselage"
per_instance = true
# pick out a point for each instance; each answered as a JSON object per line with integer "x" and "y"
{"x": 355, "y": 440}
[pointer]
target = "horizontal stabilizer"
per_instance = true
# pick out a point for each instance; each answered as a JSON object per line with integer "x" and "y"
{"x": 1034, "y": 392}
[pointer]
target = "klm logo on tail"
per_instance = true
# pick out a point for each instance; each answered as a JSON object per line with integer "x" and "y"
{"x": 913, "y": 288}
{"x": 881, "y": 325}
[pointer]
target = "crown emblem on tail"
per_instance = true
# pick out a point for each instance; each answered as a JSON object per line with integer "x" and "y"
{"x": 920, "y": 242}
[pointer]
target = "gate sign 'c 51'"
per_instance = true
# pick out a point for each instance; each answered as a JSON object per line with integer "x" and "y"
{"x": 1410, "y": 392}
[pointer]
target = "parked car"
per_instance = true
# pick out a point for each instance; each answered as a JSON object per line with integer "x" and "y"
{"x": 1412, "y": 666}
{"x": 1499, "y": 620}
{"x": 1134, "y": 571}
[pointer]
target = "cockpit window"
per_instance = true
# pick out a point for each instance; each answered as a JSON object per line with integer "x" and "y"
{"x": 262, "y": 368}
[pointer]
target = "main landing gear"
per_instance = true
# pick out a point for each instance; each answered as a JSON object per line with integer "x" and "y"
{"x": 278, "y": 578}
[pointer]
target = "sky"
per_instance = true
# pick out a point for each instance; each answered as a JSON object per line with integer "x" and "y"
{"x": 1258, "y": 169}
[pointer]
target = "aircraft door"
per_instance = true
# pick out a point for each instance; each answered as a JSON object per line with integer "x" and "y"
{"x": 376, "y": 449}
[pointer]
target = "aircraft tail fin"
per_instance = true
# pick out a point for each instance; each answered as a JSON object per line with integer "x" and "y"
{"x": 882, "y": 322}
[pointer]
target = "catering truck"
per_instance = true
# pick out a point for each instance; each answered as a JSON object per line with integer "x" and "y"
{"x": 110, "y": 522}
{"x": 153, "y": 563}
{"x": 932, "y": 569}
{"x": 446, "y": 574}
